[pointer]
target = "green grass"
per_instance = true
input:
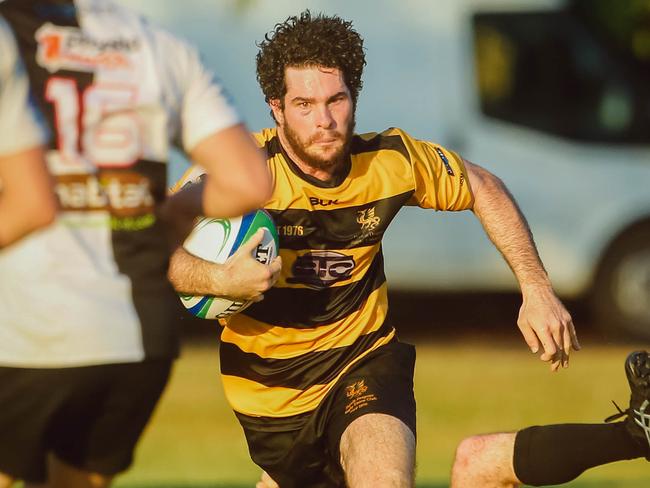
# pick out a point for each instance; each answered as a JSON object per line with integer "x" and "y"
{"x": 463, "y": 387}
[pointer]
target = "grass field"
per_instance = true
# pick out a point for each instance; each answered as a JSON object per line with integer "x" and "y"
{"x": 463, "y": 386}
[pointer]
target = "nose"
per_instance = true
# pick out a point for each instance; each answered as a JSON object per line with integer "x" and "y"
{"x": 324, "y": 119}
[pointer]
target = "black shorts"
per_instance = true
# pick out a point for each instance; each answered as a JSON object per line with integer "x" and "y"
{"x": 90, "y": 417}
{"x": 302, "y": 451}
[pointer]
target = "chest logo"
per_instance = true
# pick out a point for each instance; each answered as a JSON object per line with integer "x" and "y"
{"x": 69, "y": 48}
{"x": 320, "y": 269}
{"x": 368, "y": 219}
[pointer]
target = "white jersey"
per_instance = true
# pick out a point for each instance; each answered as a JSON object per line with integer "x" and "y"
{"x": 117, "y": 93}
{"x": 20, "y": 127}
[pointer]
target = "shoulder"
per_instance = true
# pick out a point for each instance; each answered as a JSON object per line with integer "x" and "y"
{"x": 7, "y": 47}
{"x": 267, "y": 139}
{"x": 391, "y": 139}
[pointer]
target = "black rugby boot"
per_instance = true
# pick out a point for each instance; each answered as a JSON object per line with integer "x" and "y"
{"x": 637, "y": 423}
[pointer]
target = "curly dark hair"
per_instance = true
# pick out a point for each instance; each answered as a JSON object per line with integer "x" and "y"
{"x": 330, "y": 42}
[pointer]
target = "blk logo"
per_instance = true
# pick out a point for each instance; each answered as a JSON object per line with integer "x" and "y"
{"x": 316, "y": 202}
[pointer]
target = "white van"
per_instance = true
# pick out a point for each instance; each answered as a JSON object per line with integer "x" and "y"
{"x": 541, "y": 92}
{"x": 555, "y": 101}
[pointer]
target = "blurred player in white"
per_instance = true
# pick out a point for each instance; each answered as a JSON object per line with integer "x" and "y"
{"x": 88, "y": 319}
{"x": 26, "y": 198}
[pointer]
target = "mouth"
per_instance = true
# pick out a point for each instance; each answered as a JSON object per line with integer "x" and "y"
{"x": 326, "y": 141}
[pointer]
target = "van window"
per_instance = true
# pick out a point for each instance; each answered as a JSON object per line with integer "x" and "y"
{"x": 562, "y": 73}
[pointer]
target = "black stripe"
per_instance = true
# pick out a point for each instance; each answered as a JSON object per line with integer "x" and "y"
{"x": 302, "y": 372}
{"x": 305, "y": 308}
{"x": 337, "y": 228}
{"x": 379, "y": 142}
{"x": 274, "y": 147}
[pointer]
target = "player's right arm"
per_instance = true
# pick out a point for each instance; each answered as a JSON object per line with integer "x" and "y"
{"x": 241, "y": 277}
{"x": 27, "y": 201}
{"x": 213, "y": 136}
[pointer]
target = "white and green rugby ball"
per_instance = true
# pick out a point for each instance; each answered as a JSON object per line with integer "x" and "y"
{"x": 216, "y": 240}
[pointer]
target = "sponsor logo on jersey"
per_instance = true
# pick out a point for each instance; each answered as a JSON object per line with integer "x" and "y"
{"x": 70, "y": 49}
{"x": 321, "y": 269}
{"x": 123, "y": 194}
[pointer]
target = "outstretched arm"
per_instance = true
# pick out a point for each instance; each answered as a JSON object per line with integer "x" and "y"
{"x": 543, "y": 319}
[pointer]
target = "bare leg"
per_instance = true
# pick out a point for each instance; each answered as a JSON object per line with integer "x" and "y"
{"x": 6, "y": 481}
{"x": 62, "y": 475}
{"x": 378, "y": 451}
{"x": 266, "y": 482}
{"x": 485, "y": 461}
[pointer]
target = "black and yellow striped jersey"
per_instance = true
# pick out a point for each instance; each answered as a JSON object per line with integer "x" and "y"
{"x": 281, "y": 356}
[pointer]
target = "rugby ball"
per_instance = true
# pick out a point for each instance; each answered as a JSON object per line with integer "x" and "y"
{"x": 216, "y": 240}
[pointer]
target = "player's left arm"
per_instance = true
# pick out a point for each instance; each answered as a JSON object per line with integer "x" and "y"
{"x": 543, "y": 319}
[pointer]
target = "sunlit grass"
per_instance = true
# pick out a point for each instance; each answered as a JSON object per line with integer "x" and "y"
{"x": 462, "y": 388}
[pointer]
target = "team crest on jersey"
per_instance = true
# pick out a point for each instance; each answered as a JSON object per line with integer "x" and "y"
{"x": 70, "y": 49}
{"x": 368, "y": 219}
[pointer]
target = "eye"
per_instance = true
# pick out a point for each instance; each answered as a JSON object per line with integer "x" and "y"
{"x": 303, "y": 105}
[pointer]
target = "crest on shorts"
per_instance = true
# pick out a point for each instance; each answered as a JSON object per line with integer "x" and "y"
{"x": 356, "y": 389}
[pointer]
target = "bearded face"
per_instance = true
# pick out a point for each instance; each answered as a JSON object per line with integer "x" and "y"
{"x": 317, "y": 117}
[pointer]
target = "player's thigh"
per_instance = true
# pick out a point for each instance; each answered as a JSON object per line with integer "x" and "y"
{"x": 378, "y": 450}
{"x": 373, "y": 406}
{"x": 100, "y": 430}
{"x": 6, "y": 481}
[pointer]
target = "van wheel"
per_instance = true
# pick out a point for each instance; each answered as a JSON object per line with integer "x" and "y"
{"x": 621, "y": 298}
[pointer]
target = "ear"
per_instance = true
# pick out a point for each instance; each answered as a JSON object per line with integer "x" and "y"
{"x": 276, "y": 108}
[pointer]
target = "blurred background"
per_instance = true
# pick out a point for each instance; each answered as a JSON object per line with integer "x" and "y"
{"x": 554, "y": 98}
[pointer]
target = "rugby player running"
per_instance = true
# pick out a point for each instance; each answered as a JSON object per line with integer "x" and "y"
{"x": 317, "y": 377}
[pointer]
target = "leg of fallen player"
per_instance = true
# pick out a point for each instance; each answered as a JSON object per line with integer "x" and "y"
{"x": 378, "y": 451}
{"x": 475, "y": 465}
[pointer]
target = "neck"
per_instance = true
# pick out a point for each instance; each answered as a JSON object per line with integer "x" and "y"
{"x": 322, "y": 174}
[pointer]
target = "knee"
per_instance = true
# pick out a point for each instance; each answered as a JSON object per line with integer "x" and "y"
{"x": 468, "y": 451}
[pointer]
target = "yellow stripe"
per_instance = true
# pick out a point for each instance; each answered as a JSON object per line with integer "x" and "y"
{"x": 269, "y": 341}
{"x": 373, "y": 177}
{"x": 252, "y": 398}
{"x": 363, "y": 257}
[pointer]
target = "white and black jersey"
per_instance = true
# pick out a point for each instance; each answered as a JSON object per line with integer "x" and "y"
{"x": 116, "y": 93}
{"x": 20, "y": 127}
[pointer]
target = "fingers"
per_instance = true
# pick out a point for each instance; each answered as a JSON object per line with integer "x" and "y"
{"x": 275, "y": 267}
{"x": 255, "y": 240}
{"x": 529, "y": 336}
{"x": 574, "y": 336}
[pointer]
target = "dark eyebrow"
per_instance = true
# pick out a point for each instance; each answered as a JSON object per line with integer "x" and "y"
{"x": 312, "y": 100}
